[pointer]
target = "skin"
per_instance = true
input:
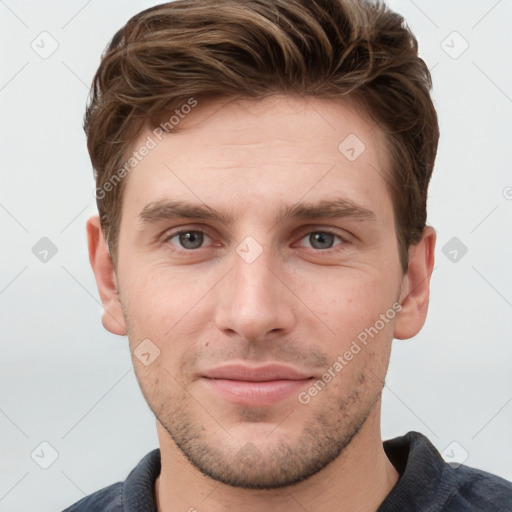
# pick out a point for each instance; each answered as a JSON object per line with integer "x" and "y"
{"x": 298, "y": 303}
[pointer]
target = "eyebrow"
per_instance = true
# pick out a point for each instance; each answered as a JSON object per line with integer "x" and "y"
{"x": 332, "y": 208}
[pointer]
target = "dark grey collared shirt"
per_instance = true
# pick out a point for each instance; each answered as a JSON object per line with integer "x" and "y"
{"x": 427, "y": 483}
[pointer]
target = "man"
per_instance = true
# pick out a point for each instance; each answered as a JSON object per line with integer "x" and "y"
{"x": 262, "y": 169}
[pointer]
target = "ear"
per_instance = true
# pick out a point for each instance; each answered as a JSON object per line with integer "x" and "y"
{"x": 103, "y": 268}
{"x": 415, "y": 291}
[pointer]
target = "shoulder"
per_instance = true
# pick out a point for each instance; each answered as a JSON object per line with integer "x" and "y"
{"x": 479, "y": 490}
{"x": 108, "y": 499}
{"x": 428, "y": 482}
{"x": 135, "y": 493}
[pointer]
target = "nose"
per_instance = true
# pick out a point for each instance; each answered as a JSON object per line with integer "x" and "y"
{"x": 252, "y": 301}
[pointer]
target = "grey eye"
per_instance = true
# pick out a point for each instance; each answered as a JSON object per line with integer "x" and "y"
{"x": 321, "y": 240}
{"x": 191, "y": 239}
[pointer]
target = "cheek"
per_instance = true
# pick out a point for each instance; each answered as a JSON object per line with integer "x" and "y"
{"x": 360, "y": 315}
{"x": 168, "y": 307}
{"x": 159, "y": 384}
{"x": 162, "y": 302}
{"x": 354, "y": 299}
{"x": 157, "y": 292}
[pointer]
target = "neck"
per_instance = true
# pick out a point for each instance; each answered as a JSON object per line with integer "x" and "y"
{"x": 341, "y": 486}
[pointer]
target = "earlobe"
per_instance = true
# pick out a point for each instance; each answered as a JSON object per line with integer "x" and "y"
{"x": 415, "y": 291}
{"x": 102, "y": 266}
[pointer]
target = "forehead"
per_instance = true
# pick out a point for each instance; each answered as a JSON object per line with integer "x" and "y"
{"x": 252, "y": 153}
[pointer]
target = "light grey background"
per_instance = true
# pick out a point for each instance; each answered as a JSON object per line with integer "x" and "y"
{"x": 64, "y": 380}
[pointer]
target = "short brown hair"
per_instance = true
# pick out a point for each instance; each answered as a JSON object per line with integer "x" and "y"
{"x": 360, "y": 50}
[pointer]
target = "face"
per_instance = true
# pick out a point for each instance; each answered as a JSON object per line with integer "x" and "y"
{"x": 252, "y": 237}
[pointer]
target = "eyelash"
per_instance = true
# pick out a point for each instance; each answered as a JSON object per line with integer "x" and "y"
{"x": 181, "y": 251}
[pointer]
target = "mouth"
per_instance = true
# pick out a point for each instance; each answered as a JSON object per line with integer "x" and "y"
{"x": 255, "y": 386}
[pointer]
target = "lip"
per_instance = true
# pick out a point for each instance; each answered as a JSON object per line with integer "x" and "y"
{"x": 255, "y": 386}
{"x": 255, "y": 374}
